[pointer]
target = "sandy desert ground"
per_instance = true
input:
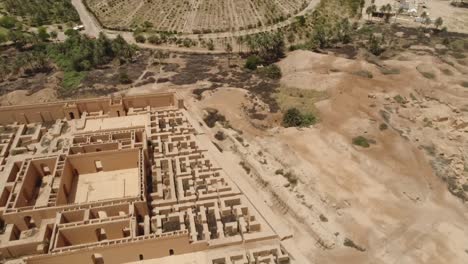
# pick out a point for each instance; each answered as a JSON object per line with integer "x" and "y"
{"x": 389, "y": 199}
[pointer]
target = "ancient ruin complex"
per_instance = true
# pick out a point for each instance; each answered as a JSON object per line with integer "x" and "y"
{"x": 117, "y": 180}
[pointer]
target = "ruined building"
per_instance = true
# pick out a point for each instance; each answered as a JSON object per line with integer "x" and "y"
{"x": 118, "y": 180}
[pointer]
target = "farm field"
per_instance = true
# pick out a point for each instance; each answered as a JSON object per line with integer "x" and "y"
{"x": 194, "y": 16}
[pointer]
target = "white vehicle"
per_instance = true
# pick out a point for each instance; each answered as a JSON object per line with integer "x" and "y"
{"x": 79, "y": 28}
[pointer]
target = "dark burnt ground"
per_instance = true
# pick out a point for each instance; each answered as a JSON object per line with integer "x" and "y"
{"x": 97, "y": 82}
{"x": 215, "y": 70}
{"x": 32, "y": 83}
{"x": 107, "y": 78}
{"x": 398, "y": 38}
{"x": 197, "y": 68}
{"x": 347, "y": 51}
{"x": 14, "y": 76}
{"x": 109, "y": 75}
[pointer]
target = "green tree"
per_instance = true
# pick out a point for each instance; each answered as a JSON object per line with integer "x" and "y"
{"x": 3, "y": 38}
{"x": 386, "y": 10}
{"x": 42, "y": 34}
{"x": 43, "y": 12}
{"x": 300, "y": 20}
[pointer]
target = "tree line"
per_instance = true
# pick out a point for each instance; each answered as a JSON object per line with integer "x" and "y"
{"x": 42, "y": 12}
{"x": 78, "y": 54}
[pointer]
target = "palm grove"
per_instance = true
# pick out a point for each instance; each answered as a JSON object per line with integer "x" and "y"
{"x": 36, "y": 51}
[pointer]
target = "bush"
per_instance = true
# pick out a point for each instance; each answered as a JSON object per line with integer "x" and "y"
{"x": 389, "y": 71}
{"x": 375, "y": 45}
{"x": 154, "y": 39}
{"x": 220, "y": 136}
{"x": 364, "y": 73}
{"x": 210, "y": 45}
{"x": 294, "y": 118}
{"x": 349, "y": 243}
{"x": 292, "y": 178}
{"x": 7, "y": 22}
{"x": 447, "y": 72}
{"x": 214, "y": 116}
{"x": 3, "y": 38}
{"x": 253, "y": 62}
{"x": 71, "y": 80}
{"x": 428, "y": 75}
{"x": 271, "y": 71}
{"x": 42, "y": 34}
{"x": 361, "y": 141}
{"x": 124, "y": 78}
{"x": 399, "y": 99}
{"x": 140, "y": 39}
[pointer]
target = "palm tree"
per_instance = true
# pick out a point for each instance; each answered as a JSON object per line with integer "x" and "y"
{"x": 369, "y": 11}
{"x": 240, "y": 42}
{"x": 400, "y": 10}
{"x": 228, "y": 49}
{"x": 386, "y": 9}
{"x": 438, "y": 22}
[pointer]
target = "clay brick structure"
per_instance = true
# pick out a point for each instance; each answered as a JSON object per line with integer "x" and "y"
{"x": 118, "y": 180}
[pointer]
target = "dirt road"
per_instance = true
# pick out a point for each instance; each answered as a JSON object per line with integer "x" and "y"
{"x": 92, "y": 27}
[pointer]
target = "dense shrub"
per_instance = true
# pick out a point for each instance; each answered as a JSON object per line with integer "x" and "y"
{"x": 294, "y": 118}
{"x": 361, "y": 141}
{"x": 140, "y": 39}
{"x": 364, "y": 74}
{"x": 7, "y": 22}
{"x": 214, "y": 116}
{"x": 252, "y": 62}
{"x": 124, "y": 78}
{"x": 79, "y": 54}
{"x": 375, "y": 45}
{"x": 268, "y": 46}
{"x": 270, "y": 71}
{"x": 220, "y": 136}
{"x": 383, "y": 126}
